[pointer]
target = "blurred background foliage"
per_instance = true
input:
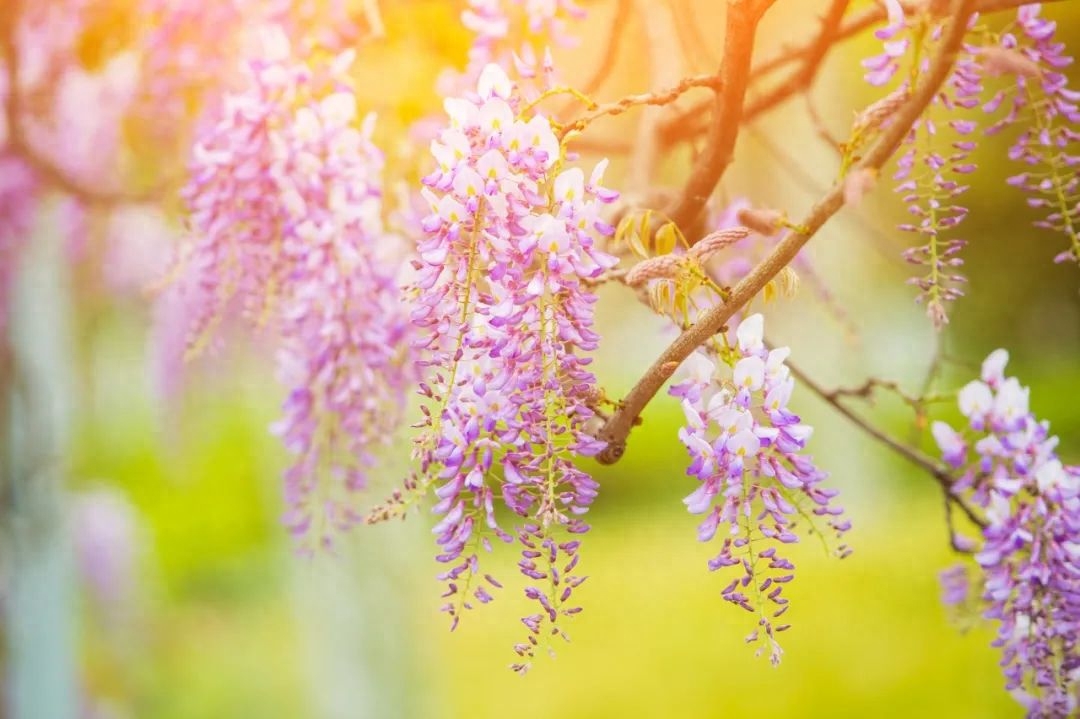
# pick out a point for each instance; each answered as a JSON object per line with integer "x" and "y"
{"x": 224, "y": 622}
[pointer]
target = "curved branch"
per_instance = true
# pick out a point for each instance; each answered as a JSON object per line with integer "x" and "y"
{"x": 617, "y": 428}
{"x": 936, "y": 470}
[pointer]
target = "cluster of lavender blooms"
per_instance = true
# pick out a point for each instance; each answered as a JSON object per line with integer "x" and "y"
{"x": 929, "y": 173}
{"x": 930, "y": 176}
{"x": 746, "y": 448}
{"x": 286, "y": 229}
{"x": 506, "y": 317}
{"x": 1005, "y": 462}
{"x": 1042, "y": 101}
{"x": 490, "y": 21}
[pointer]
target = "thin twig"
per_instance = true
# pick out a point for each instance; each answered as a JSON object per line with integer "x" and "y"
{"x": 803, "y": 78}
{"x": 820, "y": 128}
{"x": 617, "y": 428}
{"x": 696, "y": 51}
{"x": 938, "y": 471}
{"x": 660, "y": 97}
{"x": 948, "y": 500}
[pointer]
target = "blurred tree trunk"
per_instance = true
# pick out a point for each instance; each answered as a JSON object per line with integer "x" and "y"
{"x": 35, "y": 404}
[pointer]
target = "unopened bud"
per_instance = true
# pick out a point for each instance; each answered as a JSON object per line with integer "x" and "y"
{"x": 713, "y": 242}
{"x": 655, "y": 268}
{"x": 764, "y": 221}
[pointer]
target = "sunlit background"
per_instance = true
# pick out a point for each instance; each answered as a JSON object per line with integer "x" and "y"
{"x": 186, "y": 598}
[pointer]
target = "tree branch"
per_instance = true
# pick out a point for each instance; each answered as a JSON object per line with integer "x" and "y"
{"x": 659, "y": 97}
{"x": 741, "y": 27}
{"x": 690, "y": 124}
{"x": 936, "y": 470}
{"x": 617, "y": 428}
{"x": 803, "y": 78}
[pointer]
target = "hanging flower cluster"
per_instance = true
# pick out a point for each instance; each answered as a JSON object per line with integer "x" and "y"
{"x": 1040, "y": 100}
{"x": 757, "y": 485}
{"x": 929, "y": 169}
{"x": 1036, "y": 96}
{"x": 286, "y": 229}
{"x": 506, "y": 315}
{"x": 1006, "y": 463}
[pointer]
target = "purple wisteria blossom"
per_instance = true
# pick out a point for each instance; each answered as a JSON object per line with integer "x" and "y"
{"x": 1042, "y": 102}
{"x": 757, "y": 486}
{"x": 931, "y": 168}
{"x": 1005, "y": 462}
{"x": 507, "y": 323}
{"x": 882, "y": 68}
{"x": 286, "y": 230}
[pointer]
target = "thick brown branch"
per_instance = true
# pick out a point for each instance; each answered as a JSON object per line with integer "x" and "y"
{"x": 618, "y": 426}
{"x": 936, "y": 470}
{"x": 741, "y": 27}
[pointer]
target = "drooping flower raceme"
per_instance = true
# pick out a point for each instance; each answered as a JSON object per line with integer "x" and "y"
{"x": 757, "y": 485}
{"x": 930, "y": 169}
{"x": 286, "y": 229}
{"x": 507, "y": 323}
{"x": 1005, "y": 461}
{"x": 1038, "y": 97}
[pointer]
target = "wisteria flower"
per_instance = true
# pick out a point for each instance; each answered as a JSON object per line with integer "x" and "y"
{"x": 756, "y": 484}
{"x": 1005, "y": 461}
{"x": 506, "y": 317}
{"x": 286, "y": 229}
{"x": 1041, "y": 101}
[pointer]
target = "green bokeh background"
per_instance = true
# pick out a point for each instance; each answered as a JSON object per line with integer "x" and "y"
{"x": 226, "y": 622}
